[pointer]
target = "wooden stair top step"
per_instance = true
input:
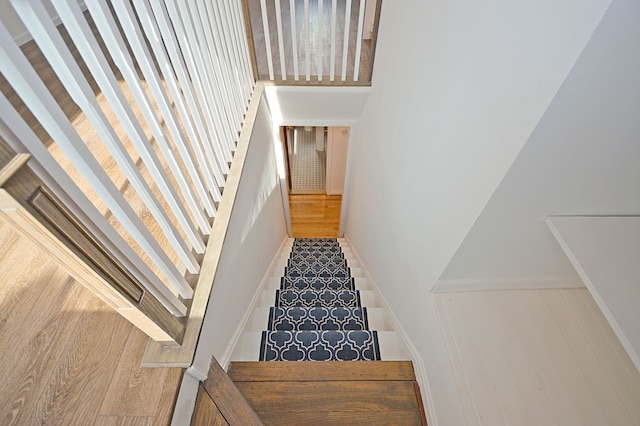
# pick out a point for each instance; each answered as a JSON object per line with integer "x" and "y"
{"x": 269, "y": 371}
{"x": 327, "y": 393}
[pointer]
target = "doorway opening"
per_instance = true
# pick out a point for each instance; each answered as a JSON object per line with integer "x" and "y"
{"x": 316, "y": 159}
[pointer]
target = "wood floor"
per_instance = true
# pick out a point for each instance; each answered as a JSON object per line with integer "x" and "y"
{"x": 322, "y": 393}
{"x": 65, "y": 356}
{"x": 315, "y": 216}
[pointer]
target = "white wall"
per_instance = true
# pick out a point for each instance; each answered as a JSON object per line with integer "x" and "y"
{"x": 16, "y": 27}
{"x": 605, "y": 250}
{"x": 447, "y": 114}
{"x": 582, "y": 159}
{"x": 316, "y": 106}
{"x": 337, "y": 152}
{"x": 256, "y": 231}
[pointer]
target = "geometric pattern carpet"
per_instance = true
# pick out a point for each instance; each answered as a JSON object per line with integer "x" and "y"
{"x": 317, "y": 314}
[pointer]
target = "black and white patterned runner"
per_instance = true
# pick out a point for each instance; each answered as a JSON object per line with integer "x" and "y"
{"x": 317, "y": 314}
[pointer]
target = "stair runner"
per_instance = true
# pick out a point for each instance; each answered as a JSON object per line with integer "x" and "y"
{"x": 317, "y": 314}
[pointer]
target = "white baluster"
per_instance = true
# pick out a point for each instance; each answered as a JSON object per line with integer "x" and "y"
{"x": 345, "y": 47}
{"x": 25, "y": 81}
{"x": 267, "y": 39}
{"x": 283, "y": 69}
{"x": 294, "y": 37}
{"x": 356, "y": 66}
{"x": 332, "y": 70}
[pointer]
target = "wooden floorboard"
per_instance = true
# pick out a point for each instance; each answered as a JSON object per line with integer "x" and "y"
{"x": 60, "y": 347}
{"x": 206, "y": 412}
{"x": 361, "y": 396}
{"x": 134, "y": 390}
{"x": 321, "y": 371}
{"x": 399, "y": 418}
{"x": 319, "y": 393}
{"x": 315, "y": 215}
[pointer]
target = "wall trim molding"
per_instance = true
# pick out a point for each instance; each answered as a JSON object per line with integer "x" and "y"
{"x": 418, "y": 363}
{"x": 516, "y": 283}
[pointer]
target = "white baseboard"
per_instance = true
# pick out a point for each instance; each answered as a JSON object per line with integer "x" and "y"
{"x": 240, "y": 329}
{"x": 186, "y": 401}
{"x": 418, "y": 363}
{"x": 518, "y": 283}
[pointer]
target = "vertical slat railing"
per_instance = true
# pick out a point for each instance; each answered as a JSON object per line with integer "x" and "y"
{"x": 185, "y": 68}
{"x": 208, "y": 191}
{"x": 187, "y": 38}
{"x": 25, "y": 81}
{"x": 313, "y": 26}
{"x": 116, "y": 45}
{"x": 216, "y": 13}
{"x": 221, "y": 95}
{"x": 197, "y": 83}
{"x": 136, "y": 40}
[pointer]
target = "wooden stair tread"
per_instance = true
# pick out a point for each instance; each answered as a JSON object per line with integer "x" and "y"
{"x": 345, "y": 396}
{"x": 371, "y": 418}
{"x": 269, "y": 371}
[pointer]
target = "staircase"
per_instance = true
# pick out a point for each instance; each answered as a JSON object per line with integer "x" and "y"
{"x": 318, "y": 306}
{"x": 318, "y": 300}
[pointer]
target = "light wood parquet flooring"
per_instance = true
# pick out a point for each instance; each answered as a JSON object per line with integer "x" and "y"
{"x": 65, "y": 356}
{"x": 315, "y": 215}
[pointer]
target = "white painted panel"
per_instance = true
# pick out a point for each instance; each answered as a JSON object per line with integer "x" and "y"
{"x": 535, "y": 357}
{"x": 316, "y": 106}
{"x": 337, "y": 150}
{"x": 605, "y": 252}
{"x": 580, "y": 160}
